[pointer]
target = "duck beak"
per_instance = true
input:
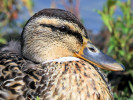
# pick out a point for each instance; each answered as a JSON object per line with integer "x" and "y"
{"x": 94, "y": 56}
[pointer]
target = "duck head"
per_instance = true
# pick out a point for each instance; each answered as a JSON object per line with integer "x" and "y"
{"x": 54, "y": 33}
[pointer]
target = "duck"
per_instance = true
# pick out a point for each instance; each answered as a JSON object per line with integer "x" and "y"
{"x": 54, "y": 60}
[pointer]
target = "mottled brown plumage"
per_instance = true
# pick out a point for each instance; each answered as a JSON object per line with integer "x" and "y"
{"x": 56, "y": 61}
{"x": 21, "y": 79}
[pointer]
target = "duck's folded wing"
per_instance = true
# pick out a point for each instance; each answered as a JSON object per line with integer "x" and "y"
{"x": 18, "y": 77}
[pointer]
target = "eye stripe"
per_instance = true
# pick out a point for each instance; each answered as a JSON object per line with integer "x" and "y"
{"x": 64, "y": 29}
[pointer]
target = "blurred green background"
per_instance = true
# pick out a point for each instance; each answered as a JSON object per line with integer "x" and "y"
{"x": 115, "y": 36}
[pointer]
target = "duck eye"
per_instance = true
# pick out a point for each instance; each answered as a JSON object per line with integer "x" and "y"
{"x": 63, "y": 28}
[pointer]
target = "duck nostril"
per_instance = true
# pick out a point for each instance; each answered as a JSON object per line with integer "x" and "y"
{"x": 91, "y": 49}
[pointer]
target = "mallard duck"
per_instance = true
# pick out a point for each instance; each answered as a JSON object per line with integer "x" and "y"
{"x": 55, "y": 60}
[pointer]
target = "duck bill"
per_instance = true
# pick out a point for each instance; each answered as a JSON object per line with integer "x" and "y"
{"x": 94, "y": 56}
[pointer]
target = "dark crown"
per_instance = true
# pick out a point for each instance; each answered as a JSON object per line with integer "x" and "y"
{"x": 59, "y": 13}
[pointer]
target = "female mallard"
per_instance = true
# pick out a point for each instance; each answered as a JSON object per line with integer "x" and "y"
{"x": 56, "y": 61}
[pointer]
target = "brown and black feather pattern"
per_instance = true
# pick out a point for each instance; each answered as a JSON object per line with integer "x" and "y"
{"x": 73, "y": 80}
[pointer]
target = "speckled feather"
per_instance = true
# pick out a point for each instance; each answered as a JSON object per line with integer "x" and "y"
{"x": 76, "y": 80}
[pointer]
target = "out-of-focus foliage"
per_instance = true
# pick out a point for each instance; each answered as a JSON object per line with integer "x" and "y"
{"x": 72, "y": 6}
{"x": 120, "y": 44}
{"x": 37, "y": 98}
{"x": 69, "y": 5}
{"x": 9, "y": 12}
